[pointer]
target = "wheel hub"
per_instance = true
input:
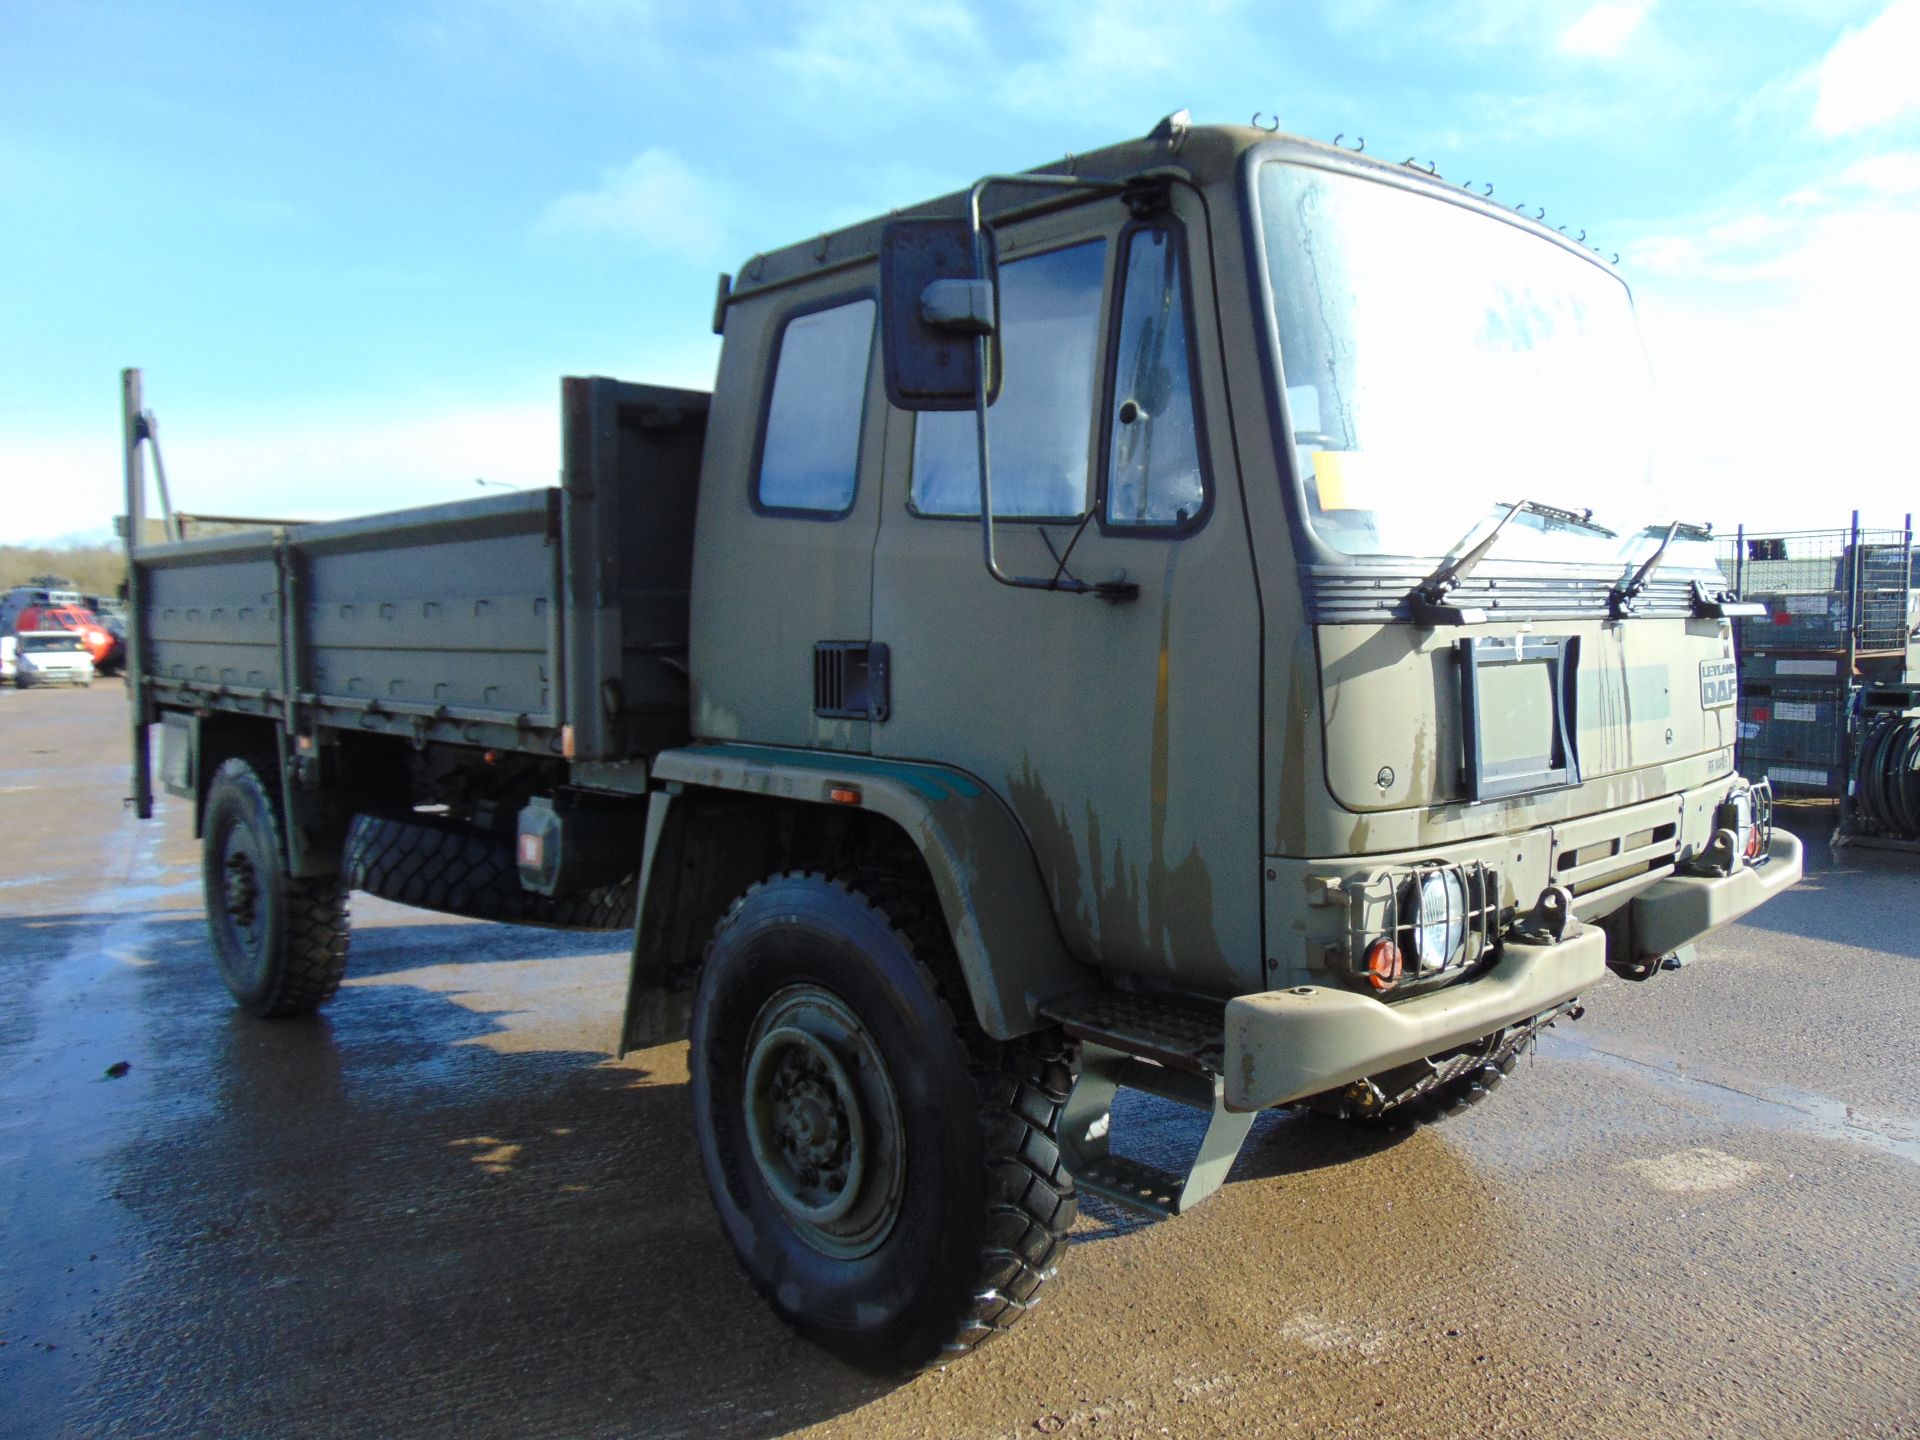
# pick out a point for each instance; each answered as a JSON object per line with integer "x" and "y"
{"x": 823, "y": 1121}
{"x": 242, "y": 890}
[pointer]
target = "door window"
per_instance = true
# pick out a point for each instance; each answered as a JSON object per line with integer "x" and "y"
{"x": 1037, "y": 430}
{"x": 1153, "y": 452}
{"x": 810, "y": 460}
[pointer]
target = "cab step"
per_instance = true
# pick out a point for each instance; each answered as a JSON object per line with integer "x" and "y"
{"x": 1172, "y": 1048}
{"x": 1181, "y": 1033}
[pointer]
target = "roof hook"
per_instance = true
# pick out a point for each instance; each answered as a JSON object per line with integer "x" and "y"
{"x": 1489, "y": 189}
{"x": 1583, "y": 237}
{"x": 1539, "y": 212}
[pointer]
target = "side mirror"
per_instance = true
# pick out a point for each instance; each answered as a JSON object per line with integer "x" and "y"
{"x": 935, "y": 309}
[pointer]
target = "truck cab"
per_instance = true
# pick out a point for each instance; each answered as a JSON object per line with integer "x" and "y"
{"x": 1265, "y": 391}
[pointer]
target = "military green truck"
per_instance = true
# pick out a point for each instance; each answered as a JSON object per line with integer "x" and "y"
{"x": 1194, "y": 618}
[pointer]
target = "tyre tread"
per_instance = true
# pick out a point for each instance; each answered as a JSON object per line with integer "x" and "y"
{"x": 459, "y": 870}
{"x": 313, "y": 959}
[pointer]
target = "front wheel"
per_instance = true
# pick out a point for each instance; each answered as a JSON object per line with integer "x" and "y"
{"x": 887, "y": 1173}
{"x": 280, "y": 941}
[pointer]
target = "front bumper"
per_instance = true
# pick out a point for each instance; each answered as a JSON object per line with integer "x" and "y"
{"x": 1682, "y": 908}
{"x": 1283, "y": 1045}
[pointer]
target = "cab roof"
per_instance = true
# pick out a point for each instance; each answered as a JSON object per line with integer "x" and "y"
{"x": 1201, "y": 154}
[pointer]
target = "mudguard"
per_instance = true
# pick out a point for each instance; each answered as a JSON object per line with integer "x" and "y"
{"x": 996, "y": 904}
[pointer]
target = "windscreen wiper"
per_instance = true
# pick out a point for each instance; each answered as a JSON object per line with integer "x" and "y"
{"x": 1428, "y": 600}
{"x": 1719, "y": 604}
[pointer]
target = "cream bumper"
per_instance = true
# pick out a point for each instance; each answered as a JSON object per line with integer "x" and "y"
{"x": 1682, "y": 908}
{"x": 1283, "y": 1045}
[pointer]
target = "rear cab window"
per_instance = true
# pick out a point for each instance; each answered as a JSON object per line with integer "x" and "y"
{"x": 810, "y": 450}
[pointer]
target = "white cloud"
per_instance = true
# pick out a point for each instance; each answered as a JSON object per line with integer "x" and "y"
{"x": 283, "y": 466}
{"x": 1779, "y": 338}
{"x": 1603, "y": 31}
{"x": 1895, "y": 173}
{"x": 655, "y": 199}
{"x": 1869, "y": 76}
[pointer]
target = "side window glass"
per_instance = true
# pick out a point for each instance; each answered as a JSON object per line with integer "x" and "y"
{"x": 1037, "y": 429}
{"x": 1153, "y": 454}
{"x": 811, "y": 457}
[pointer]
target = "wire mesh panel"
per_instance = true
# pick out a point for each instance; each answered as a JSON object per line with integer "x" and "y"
{"x": 1885, "y": 614}
{"x": 1795, "y": 736}
{"x": 1815, "y": 600}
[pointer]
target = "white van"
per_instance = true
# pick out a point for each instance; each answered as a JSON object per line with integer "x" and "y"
{"x": 51, "y": 657}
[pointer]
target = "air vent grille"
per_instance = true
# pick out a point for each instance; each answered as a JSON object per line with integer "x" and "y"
{"x": 850, "y": 680}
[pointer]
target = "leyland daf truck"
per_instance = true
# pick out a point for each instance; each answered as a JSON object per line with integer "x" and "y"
{"x": 1194, "y": 618}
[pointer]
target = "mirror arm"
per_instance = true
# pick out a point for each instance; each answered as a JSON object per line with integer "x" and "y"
{"x": 1113, "y": 590}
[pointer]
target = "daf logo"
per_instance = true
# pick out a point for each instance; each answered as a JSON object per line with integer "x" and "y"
{"x": 1719, "y": 683}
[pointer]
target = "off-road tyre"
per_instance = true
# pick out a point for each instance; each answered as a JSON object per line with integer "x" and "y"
{"x": 461, "y": 870}
{"x": 280, "y": 942}
{"x": 983, "y": 1202}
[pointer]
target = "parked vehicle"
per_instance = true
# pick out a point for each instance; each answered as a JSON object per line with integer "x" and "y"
{"x": 51, "y": 657}
{"x": 40, "y": 607}
{"x": 1241, "y": 725}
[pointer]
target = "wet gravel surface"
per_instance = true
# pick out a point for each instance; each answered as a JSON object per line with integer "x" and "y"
{"x": 440, "y": 1209}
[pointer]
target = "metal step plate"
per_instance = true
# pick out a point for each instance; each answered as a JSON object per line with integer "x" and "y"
{"x": 1185, "y": 1034}
{"x": 1133, "y": 1184}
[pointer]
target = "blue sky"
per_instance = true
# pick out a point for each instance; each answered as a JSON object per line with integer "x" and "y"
{"x": 354, "y": 245}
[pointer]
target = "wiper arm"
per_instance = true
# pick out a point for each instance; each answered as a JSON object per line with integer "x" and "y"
{"x": 1428, "y": 599}
{"x": 1620, "y": 599}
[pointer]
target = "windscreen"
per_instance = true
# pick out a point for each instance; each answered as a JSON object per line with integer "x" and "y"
{"x": 1441, "y": 364}
{"x": 47, "y": 643}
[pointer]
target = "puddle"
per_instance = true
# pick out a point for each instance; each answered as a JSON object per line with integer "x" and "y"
{"x": 1776, "y": 1108}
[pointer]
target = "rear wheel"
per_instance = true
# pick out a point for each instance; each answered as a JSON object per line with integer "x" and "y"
{"x": 888, "y": 1174}
{"x": 280, "y": 941}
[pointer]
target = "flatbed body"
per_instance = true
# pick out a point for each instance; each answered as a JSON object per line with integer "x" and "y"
{"x": 550, "y": 621}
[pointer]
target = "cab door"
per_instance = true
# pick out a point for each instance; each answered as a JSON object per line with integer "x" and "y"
{"x": 1124, "y": 734}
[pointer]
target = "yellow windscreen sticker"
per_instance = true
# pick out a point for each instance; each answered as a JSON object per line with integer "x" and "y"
{"x": 1341, "y": 478}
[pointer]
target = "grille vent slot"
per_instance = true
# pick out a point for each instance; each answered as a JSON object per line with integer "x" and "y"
{"x": 850, "y": 680}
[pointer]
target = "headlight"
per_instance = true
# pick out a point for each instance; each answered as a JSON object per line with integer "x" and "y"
{"x": 1440, "y": 919}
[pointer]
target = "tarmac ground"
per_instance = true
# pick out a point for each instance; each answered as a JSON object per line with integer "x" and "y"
{"x": 439, "y": 1208}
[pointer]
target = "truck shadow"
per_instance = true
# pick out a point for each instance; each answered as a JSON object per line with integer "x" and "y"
{"x": 356, "y": 1224}
{"x": 437, "y": 1206}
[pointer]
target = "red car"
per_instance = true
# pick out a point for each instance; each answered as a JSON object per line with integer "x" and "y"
{"x": 102, "y": 644}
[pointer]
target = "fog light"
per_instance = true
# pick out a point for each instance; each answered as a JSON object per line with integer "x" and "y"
{"x": 1383, "y": 964}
